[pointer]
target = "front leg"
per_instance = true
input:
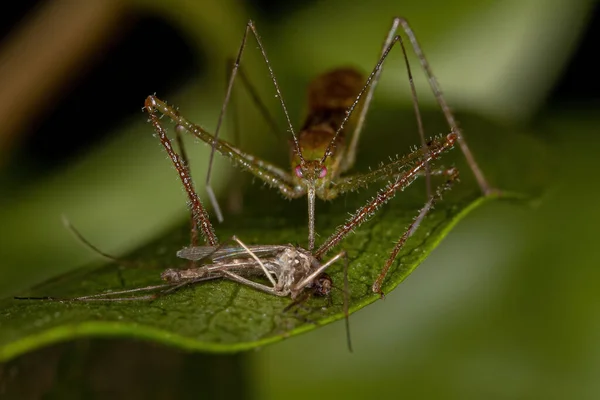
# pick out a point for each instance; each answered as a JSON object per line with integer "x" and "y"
{"x": 267, "y": 172}
{"x": 452, "y": 175}
{"x": 401, "y": 182}
{"x": 388, "y": 171}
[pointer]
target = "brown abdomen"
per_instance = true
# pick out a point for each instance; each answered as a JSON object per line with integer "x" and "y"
{"x": 329, "y": 96}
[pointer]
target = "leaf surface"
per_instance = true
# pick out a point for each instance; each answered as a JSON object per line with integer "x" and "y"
{"x": 223, "y": 316}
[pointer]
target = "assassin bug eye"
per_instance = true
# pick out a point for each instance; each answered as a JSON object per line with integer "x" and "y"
{"x": 323, "y": 172}
{"x": 298, "y": 171}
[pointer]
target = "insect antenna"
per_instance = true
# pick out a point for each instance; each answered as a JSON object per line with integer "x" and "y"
{"x": 347, "y": 303}
{"x": 258, "y": 102}
{"x": 93, "y": 248}
{"x": 228, "y": 96}
{"x": 277, "y": 90}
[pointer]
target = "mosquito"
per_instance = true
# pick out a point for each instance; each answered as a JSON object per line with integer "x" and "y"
{"x": 412, "y": 166}
{"x": 289, "y": 269}
{"x": 337, "y": 100}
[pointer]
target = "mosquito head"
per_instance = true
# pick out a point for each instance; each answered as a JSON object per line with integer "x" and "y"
{"x": 322, "y": 285}
{"x": 310, "y": 171}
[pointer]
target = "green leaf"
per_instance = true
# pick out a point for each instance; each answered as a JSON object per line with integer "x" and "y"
{"x": 226, "y": 317}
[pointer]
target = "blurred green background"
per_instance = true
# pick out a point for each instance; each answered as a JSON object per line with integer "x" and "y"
{"x": 505, "y": 307}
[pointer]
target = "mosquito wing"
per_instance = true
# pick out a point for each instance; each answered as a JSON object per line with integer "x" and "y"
{"x": 228, "y": 252}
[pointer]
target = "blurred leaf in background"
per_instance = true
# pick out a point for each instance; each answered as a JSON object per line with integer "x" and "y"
{"x": 504, "y": 308}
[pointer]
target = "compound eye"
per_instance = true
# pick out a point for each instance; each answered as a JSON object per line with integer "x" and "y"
{"x": 298, "y": 171}
{"x": 323, "y": 172}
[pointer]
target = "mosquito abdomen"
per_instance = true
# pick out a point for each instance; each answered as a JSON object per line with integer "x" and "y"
{"x": 329, "y": 96}
{"x": 178, "y": 275}
{"x": 335, "y": 89}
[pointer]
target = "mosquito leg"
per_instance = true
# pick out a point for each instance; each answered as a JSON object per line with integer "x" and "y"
{"x": 90, "y": 300}
{"x": 235, "y": 189}
{"x": 299, "y": 300}
{"x": 258, "y": 260}
{"x": 235, "y": 200}
{"x": 383, "y": 196}
{"x": 329, "y": 300}
{"x": 347, "y": 302}
{"x": 232, "y": 76}
{"x": 267, "y": 172}
{"x": 256, "y": 99}
{"x": 388, "y": 171}
{"x": 319, "y": 271}
{"x": 259, "y": 286}
{"x": 297, "y": 190}
{"x": 251, "y": 26}
{"x": 266, "y": 114}
{"x": 299, "y": 305}
{"x": 415, "y": 101}
{"x": 234, "y": 72}
{"x": 437, "y": 91}
{"x": 186, "y": 163}
{"x": 107, "y": 297}
{"x": 352, "y": 148}
{"x": 330, "y": 147}
{"x": 198, "y": 210}
{"x": 452, "y": 178}
{"x": 102, "y": 296}
{"x": 170, "y": 288}
{"x": 375, "y": 73}
{"x": 127, "y": 291}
